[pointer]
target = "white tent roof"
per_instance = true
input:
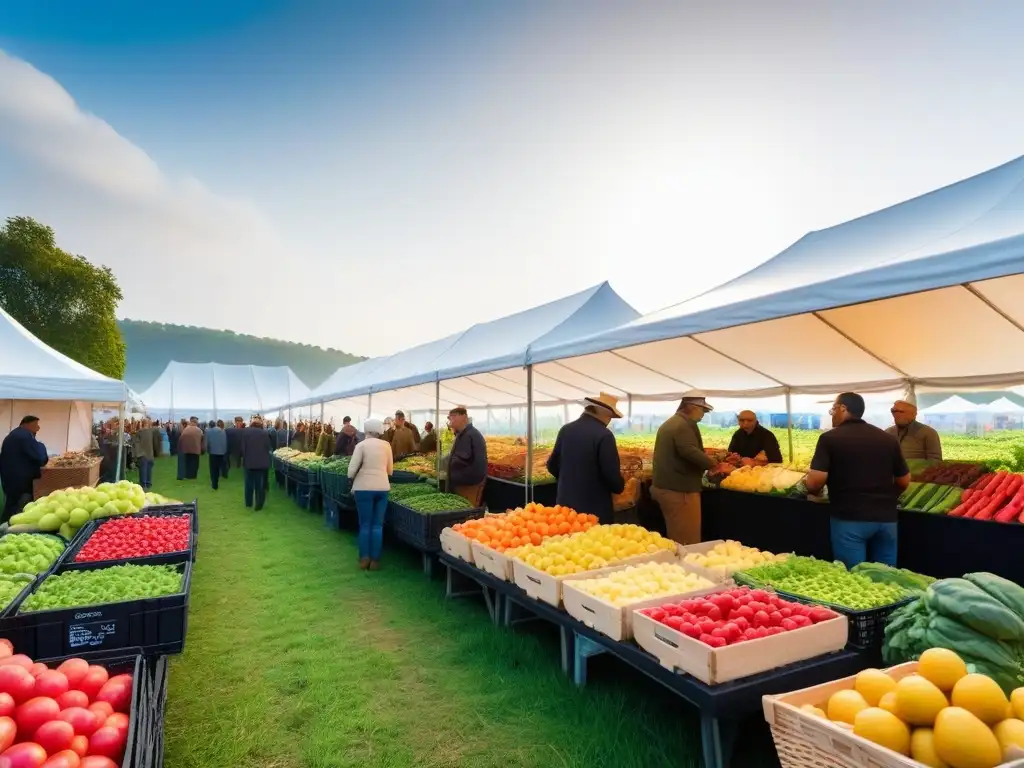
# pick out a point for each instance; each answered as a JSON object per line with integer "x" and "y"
{"x": 927, "y": 291}
{"x": 30, "y": 370}
{"x": 1002, "y": 405}
{"x": 212, "y": 389}
{"x": 954, "y": 404}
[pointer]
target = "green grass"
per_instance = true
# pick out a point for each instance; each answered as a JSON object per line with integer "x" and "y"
{"x": 297, "y": 659}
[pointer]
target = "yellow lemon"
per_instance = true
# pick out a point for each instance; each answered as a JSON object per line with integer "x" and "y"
{"x": 963, "y": 741}
{"x": 922, "y": 748}
{"x": 813, "y": 710}
{"x": 873, "y": 684}
{"x": 884, "y": 728}
{"x": 982, "y": 697}
{"x": 941, "y": 667}
{"x": 919, "y": 701}
{"x": 1009, "y": 733}
{"x": 844, "y": 705}
{"x": 1017, "y": 702}
{"x": 888, "y": 702}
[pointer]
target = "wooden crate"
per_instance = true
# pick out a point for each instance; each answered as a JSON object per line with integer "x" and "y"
{"x": 456, "y": 545}
{"x": 496, "y": 563}
{"x": 806, "y": 741}
{"x": 58, "y": 478}
{"x": 681, "y": 653}
{"x": 613, "y": 620}
{"x": 547, "y": 588}
{"x": 703, "y": 548}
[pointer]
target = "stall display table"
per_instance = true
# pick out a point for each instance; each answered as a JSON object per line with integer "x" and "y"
{"x": 721, "y": 706}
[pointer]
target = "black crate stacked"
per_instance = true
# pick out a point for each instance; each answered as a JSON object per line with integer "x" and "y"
{"x": 423, "y": 531}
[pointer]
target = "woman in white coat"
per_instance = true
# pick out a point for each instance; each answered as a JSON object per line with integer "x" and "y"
{"x": 371, "y": 465}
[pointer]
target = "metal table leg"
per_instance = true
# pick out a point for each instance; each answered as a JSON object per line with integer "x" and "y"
{"x": 717, "y": 737}
{"x": 584, "y": 649}
{"x": 428, "y": 565}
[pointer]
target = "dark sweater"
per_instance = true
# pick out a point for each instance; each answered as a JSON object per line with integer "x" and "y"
{"x": 467, "y": 463}
{"x": 759, "y": 439}
{"x": 585, "y": 460}
{"x": 255, "y": 448}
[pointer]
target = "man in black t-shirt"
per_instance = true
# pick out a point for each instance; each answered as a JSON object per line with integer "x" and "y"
{"x": 865, "y": 472}
{"x": 752, "y": 441}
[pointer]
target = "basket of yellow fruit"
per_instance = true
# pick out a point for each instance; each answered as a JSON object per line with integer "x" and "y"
{"x": 719, "y": 560}
{"x": 539, "y": 569}
{"x": 928, "y": 713}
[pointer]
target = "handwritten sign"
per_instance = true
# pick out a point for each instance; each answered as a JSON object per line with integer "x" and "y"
{"x": 91, "y": 635}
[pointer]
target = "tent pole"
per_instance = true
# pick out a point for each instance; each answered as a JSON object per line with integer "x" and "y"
{"x": 369, "y": 405}
{"x": 529, "y": 432}
{"x": 120, "y": 442}
{"x": 789, "y": 422}
{"x": 629, "y": 407}
{"x": 437, "y": 427}
{"x": 67, "y": 438}
{"x": 321, "y": 411}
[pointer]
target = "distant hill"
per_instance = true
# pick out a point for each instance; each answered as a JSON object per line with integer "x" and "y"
{"x": 152, "y": 345}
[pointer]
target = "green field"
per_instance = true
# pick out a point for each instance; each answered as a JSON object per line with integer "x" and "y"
{"x": 297, "y": 659}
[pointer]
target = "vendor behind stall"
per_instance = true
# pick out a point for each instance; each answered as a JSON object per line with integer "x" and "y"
{"x": 679, "y": 466}
{"x": 467, "y": 461}
{"x": 917, "y": 440}
{"x": 585, "y": 460}
{"x": 753, "y": 442}
{"x": 865, "y": 473}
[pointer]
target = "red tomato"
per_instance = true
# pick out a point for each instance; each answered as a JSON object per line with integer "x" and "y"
{"x": 19, "y": 660}
{"x": 108, "y": 742}
{"x": 80, "y": 745}
{"x": 84, "y": 721}
{"x": 6, "y": 648}
{"x": 51, "y": 683}
{"x": 38, "y": 668}
{"x": 17, "y": 681}
{"x": 101, "y": 709}
{"x": 70, "y": 699}
{"x": 33, "y": 713}
{"x": 8, "y": 732}
{"x": 54, "y": 736}
{"x": 7, "y": 705}
{"x": 74, "y": 670}
{"x": 117, "y": 693}
{"x": 67, "y": 758}
{"x": 118, "y": 720}
{"x": 97, "y": 761}
{"x": 24, "y": 755}
{"x": 92, "y": 681}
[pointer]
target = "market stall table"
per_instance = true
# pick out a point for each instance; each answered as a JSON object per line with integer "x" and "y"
{"x": 721, "y": 706}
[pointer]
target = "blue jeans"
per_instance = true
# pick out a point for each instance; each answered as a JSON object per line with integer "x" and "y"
{"x": 255, "y": 486}
{"x": 856, "y": 542}
{"x": 145, "y": 473}
{"x": 371, "y": 506}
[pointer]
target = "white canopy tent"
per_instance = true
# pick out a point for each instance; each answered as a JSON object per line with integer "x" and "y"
{"x": 36, "y": 379}
{"x": 1003, "y": 406}
{"x": 954, "y": 404}
{"x": 215, "y": 391}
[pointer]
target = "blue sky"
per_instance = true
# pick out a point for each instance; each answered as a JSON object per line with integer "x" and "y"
{"x": 386, "y": 173}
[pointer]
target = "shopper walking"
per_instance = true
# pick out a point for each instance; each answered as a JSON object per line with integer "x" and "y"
{"x": 865, "y": 472}
{"x": 217, "y": 450}
{"x": 256, "y": 463}
{"x": 467, "y": 461}
{"x": 22, "y": 458}
{"x": 234, "y": 435}
{"x": 679, "y": 466}
{"x": 372, "y": 463}
{"x": 165, "y": 440}
{"x": 147, "y": 445}
{"x": 180, "y": 430}
{"x": 190, "y": 448}
{"x": 585, "y": 460}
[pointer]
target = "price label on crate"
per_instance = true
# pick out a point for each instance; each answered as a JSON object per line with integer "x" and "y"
{"x": 95, "y": 634}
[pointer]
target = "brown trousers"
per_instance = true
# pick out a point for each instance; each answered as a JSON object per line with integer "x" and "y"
{"x": 474, "y": 494}
{"x": 682, "y": 514}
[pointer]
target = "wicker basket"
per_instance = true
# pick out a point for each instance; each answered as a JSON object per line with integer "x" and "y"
{"x": 58, "y": 478}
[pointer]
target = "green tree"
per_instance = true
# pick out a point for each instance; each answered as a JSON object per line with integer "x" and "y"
{"x": 64, "y": 300}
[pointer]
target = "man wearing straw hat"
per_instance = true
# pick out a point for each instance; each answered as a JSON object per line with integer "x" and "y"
{"x": 679, "y": 466}
{"x": 585, "y": 460}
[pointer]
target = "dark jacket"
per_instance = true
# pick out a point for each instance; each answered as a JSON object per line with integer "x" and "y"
{"x": 467, "y": 462}
{"x": 759, "y": 439}
{"x": 172, "y": 438}
{"x": 191, "y": 440}
{"x": 346, "y": 442}
{"x": 255, "y": 448}
{"x": 147, "y": 443}
{"x": 216, "y": 440}
{"x": 585, "y": 460}
{"x": 234, "y": 440}
{"x": 429, "y": 442}
{"x": 679, "y": 458}
{"x": 21, "y": 459}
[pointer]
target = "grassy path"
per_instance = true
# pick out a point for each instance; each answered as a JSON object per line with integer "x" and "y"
{"x": 297, "y": 659}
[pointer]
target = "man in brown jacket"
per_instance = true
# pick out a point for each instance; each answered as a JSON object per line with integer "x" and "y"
{"x": 402, "y": 439}
{"x": 190, "y": 445}
{"x": 679, "y": 466}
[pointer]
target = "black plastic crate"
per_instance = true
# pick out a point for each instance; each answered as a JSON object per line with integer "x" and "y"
{"x": 307, "y": 496}
{"x": 8, "y": 609}
{"x": 157, "y": 625}
{"x": 402, "y": 476}
{"x": 334, "y": 486}
{"x": 423, "y": 532}
{"x": 158, "y": 694}
{"x": 67, "y": 560}
{"x": 866, "y": 627}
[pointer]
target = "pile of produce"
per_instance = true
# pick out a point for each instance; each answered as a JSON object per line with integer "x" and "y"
{"x": 531, "y": 524}
{"x": 504, "y": 471}
{"x": 73, "y": 459}
{"x": 931, "y": 497}
{"x": 434, "y": 503}
{"x": 142, "y": 536}
{"x": 306, "y": 459}
{"x": 28, "y": 553}
{"x": 771, "y": 478}
{"x": 736, "y": 616}
{"x": 595, "y": 548}
{"x": 997, "y": 496}
{"x": 944, "y": 716}
{"x": 425, "y": 466}
{"x": 901, "y": 577}
{"x": 643, "y": 582}
{"x": 11, "y": 586}
{"x": 286, "y": 453}
{"x": 103, "y": 585}
{"x": 410, "y": 490}
{"x": 66, "y": 511}
{"x": 73, "y": 715}
{"x": 980, "y": 617}
{"x": 336, "y": 465}
{"x": 959, "y": 473}
{"x": 824, "y": 582}
{"x": 727, "y": 557}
